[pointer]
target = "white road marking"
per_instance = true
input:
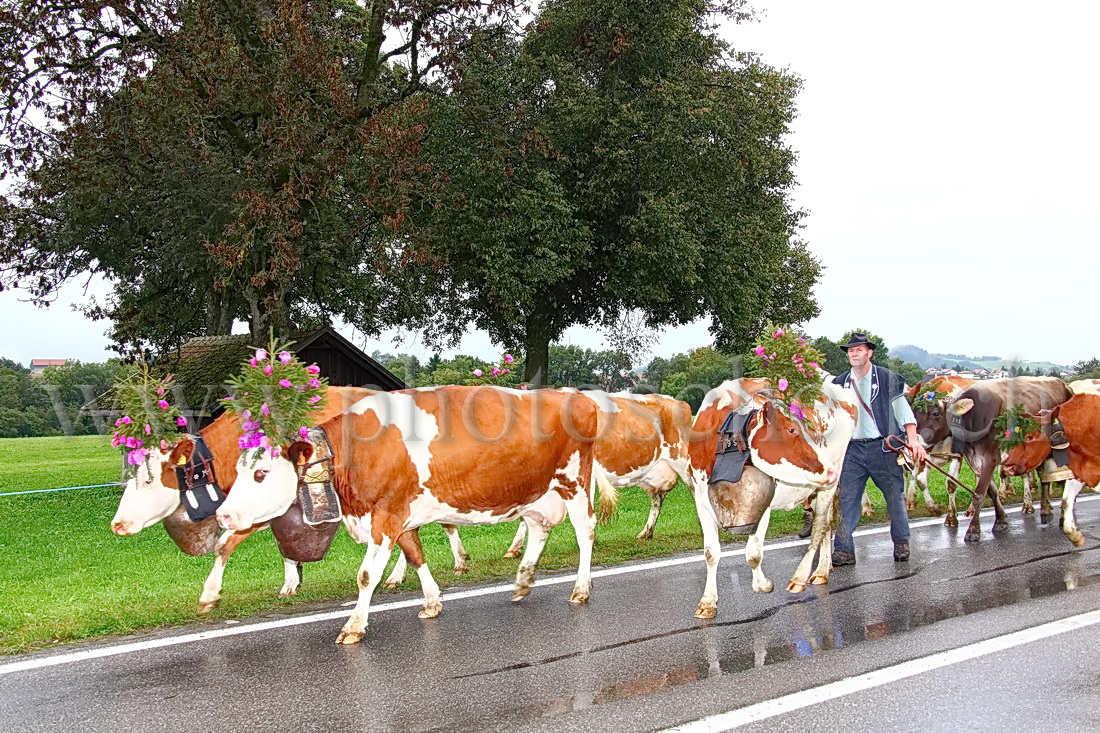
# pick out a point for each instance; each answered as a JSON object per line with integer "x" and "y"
{"x": 248, "y": 628}
{"x": 817, "y": 695}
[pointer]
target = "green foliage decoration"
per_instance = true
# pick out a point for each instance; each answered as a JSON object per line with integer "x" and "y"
{"x": 791, "y": 363}
{"x": 273, "y": 395}
{"x": 926, "y": 399}
{"x": 148, "y": 419}
{"x": 1013, "y": 426}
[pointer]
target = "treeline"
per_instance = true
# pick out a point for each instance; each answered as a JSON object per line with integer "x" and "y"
{"x": 51, "y": 404}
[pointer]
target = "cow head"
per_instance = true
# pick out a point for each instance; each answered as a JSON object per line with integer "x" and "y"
{"x": 1026, "y": 457}
{"x": 150, "y": 495}
{"x": 790, "y": 445}
{"x": 266, "y": 486}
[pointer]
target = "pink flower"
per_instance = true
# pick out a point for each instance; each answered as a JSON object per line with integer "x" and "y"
{"x": 477, "y": 372}
{"x": 285, "y": 383}
{"x": 759, "y": 351}
{"x": 814, "y": 365}
{"x": 496, "y": 372}
{"x": 260, "y": 355}
{"x": 160, "y": 390}
{"x": 800, "y": 340}
{"x": 797, "y": 412}
{"x": 314, "y": 399}
{"x": 164, "y": 445}
{"x": 523, "y": 386}
{"x": 777, "y": 334}
{"x": 303, "y": 432}
{"x": 125, "y": 420}
{"x": 1008, "y": 433}
{"x": 181, "y": 421}
{"x": 252, "y": 362}
{"x": 782, "y": 384}
{"x": 265, "y": 410}
{"x": 285, "y": 357}
{"x": 508, "y": 359}
{"x": 163, "y": 404}
{"x": 505, "y": 371}
{"x": 267, "y": 369}
{"x": 148, "y": 430}
{"x": 313, "y": 369}
{"x": 315, "y": 382}
{"x": 135, "y": 457}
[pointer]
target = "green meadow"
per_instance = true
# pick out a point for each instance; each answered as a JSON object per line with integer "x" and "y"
{"x": 67, "y": 577}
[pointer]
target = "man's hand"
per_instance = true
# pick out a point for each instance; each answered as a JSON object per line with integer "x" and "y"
{"x": 916, "y": 450}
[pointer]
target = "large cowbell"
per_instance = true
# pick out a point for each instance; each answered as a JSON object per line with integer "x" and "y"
{"x": 199, "y": 491}
{"x": 305, "y": 531}
{"x": 739, "y": 492}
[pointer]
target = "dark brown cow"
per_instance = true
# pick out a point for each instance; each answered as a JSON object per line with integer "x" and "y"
{"x": 1080, "y": 418}
{"x": 968, "y": 420}
{"x": 461, "y": 455}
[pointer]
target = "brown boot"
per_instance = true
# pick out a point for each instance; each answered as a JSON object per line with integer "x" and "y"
{"x": 807, "y": 523}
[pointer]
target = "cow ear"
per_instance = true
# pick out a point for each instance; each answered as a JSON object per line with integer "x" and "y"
{"x": 962, "y": 406}
{"x": 299, "y": 452}
{"x": 1041, "y": 415}
{"x": 181, "y": 454}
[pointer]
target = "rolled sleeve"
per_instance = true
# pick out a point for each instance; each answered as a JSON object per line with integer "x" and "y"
{"x": 903, "y": 413}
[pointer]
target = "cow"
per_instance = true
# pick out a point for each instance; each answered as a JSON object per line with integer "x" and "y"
{"x": 152, "y": 495}
{"x": 968, "y": 420}
{"x": 939, "y": 454}
{"x": 1080, "y": 419}
{"x": 791, "y": 457}
{"x": 642, "y": 440}
{"x": 453, "y": 454}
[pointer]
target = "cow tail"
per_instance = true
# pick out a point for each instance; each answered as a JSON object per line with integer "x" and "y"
{"x": 609, "y": 496}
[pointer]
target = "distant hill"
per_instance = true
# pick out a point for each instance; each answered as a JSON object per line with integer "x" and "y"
{"x": 908, "y": 352}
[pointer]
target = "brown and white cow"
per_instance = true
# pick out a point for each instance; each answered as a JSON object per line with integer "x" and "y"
{"x": 939, "y": 454}
{"x": 1080, "y": 418}
{"x": 800, "y": 457}
{"x": 453, "y": 454}
{"x": 642, "y": 440}
{"x": 973, "y": 413}
{"x": 152, "y": 495}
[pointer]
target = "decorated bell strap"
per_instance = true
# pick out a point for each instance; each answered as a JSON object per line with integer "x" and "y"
{"x": 316, "y": 493}
{"x": 199, "y": 491}
{"x": 1059, "y": 443}
{"x": 733, "y": 450}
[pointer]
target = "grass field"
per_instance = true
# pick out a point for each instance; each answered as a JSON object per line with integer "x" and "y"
{"x": 68, "y": 577}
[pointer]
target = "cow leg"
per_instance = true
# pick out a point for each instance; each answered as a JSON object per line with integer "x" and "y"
{"x": 821, "y": 536}
{"x": 292, "y": 578}
{"x": 462, "y": 558}
{"x": 754, "y": 554}
{"x": 1046, "y": 513}
{"x": 657, "y": 492}
{"x": 1007, "y": 488}
{"x": 953, "y": 469}
{"x": 517, "y": 542}
{"x": 409, "y": 542}
{"x": 536, "y": 541}
{"x": 227, "y": 544}
{"x": 584, "y": 523}
{"x": 921, "y": 480}
{"x": 910, "y": 490}
{"x": 400, "y": 570}
{"x": 368, "y": 577}
{"x": 865, "y": 506}
{"x": 984, "y": 469}
{"x": 1029, "y": 493}
{"x": 712, "y": 550}
{"x": 1069, "y": 520}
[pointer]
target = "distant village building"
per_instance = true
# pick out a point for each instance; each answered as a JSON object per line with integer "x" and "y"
{"x": 38, "y": 366}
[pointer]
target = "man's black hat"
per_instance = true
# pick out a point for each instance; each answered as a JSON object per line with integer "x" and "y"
{"x": 859, "y": 339}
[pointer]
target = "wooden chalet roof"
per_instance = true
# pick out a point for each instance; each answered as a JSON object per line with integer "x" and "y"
{"x": 202, "y": 366}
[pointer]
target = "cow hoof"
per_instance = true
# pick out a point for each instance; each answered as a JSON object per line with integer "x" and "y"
{"x": 706, "y": 611}
{"x": 431, "y": 610}
{"x": 349, "y": 637}
{"x": 933, "y": 509}
{"x": 910, "y": 506}
{"x": 208, "y": 606}
{"x": 1045, "y": 518}
{"x": 972, "y": 537}
{"x": 391, "y": 584}
{"x": 794, "y": 587}
{"x": 1028, "y": 509}
{"x": 578, "y": 597}
{"x": 645, "y": 535}
{"x": 519, "y": 594}
{"x": 819, "y": 579}
{"x": 951, "y": 520}
{"x": 1078, "y": 539}
{"x": 287, "y": 592}
{"x": 461, "y": 571}
{"x": 764, "y": 586}
{"x": 1001, "y": 526}
{"x": 512, "y": 553}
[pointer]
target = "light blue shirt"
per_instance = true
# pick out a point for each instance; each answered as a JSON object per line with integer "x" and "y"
{"x": 865, "y": 424}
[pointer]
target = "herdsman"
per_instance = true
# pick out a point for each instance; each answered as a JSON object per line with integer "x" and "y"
{"x": 882, "y": 411}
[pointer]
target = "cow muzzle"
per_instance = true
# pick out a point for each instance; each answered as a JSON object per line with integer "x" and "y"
{"x": 123, "y": 529}
{"x": 231, "y": 520}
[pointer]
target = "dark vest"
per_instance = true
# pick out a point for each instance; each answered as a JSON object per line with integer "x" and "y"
{"x": 885, "y": 387}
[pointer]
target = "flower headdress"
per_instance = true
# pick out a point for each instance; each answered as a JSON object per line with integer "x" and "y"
{"x": 148, "y": 419}
{"x": 791, "y": 363}
{"x": 1013, "y": 425}
{"x": 926, "y": 399}
{"x": 498, "y": 374}
{"x": 273, "y": 396}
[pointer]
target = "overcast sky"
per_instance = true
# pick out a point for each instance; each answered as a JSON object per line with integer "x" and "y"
{"x": 947, "y": 156}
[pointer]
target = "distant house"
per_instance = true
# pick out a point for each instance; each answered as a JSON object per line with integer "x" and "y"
{"x": 202, "y": 366}
{"x": 38, "y": 366}
{"x": 998, "y": 373}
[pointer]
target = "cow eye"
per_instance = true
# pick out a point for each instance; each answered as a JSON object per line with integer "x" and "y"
{"x": 260, "y": 475}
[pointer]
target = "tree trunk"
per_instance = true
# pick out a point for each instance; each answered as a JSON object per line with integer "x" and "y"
{"x": 537, "y": 357}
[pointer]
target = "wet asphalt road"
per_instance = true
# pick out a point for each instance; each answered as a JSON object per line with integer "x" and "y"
{"x": 633, "y": 659}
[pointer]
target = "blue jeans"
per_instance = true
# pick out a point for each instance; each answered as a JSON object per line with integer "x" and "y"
{"x": 870, "y": 460}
